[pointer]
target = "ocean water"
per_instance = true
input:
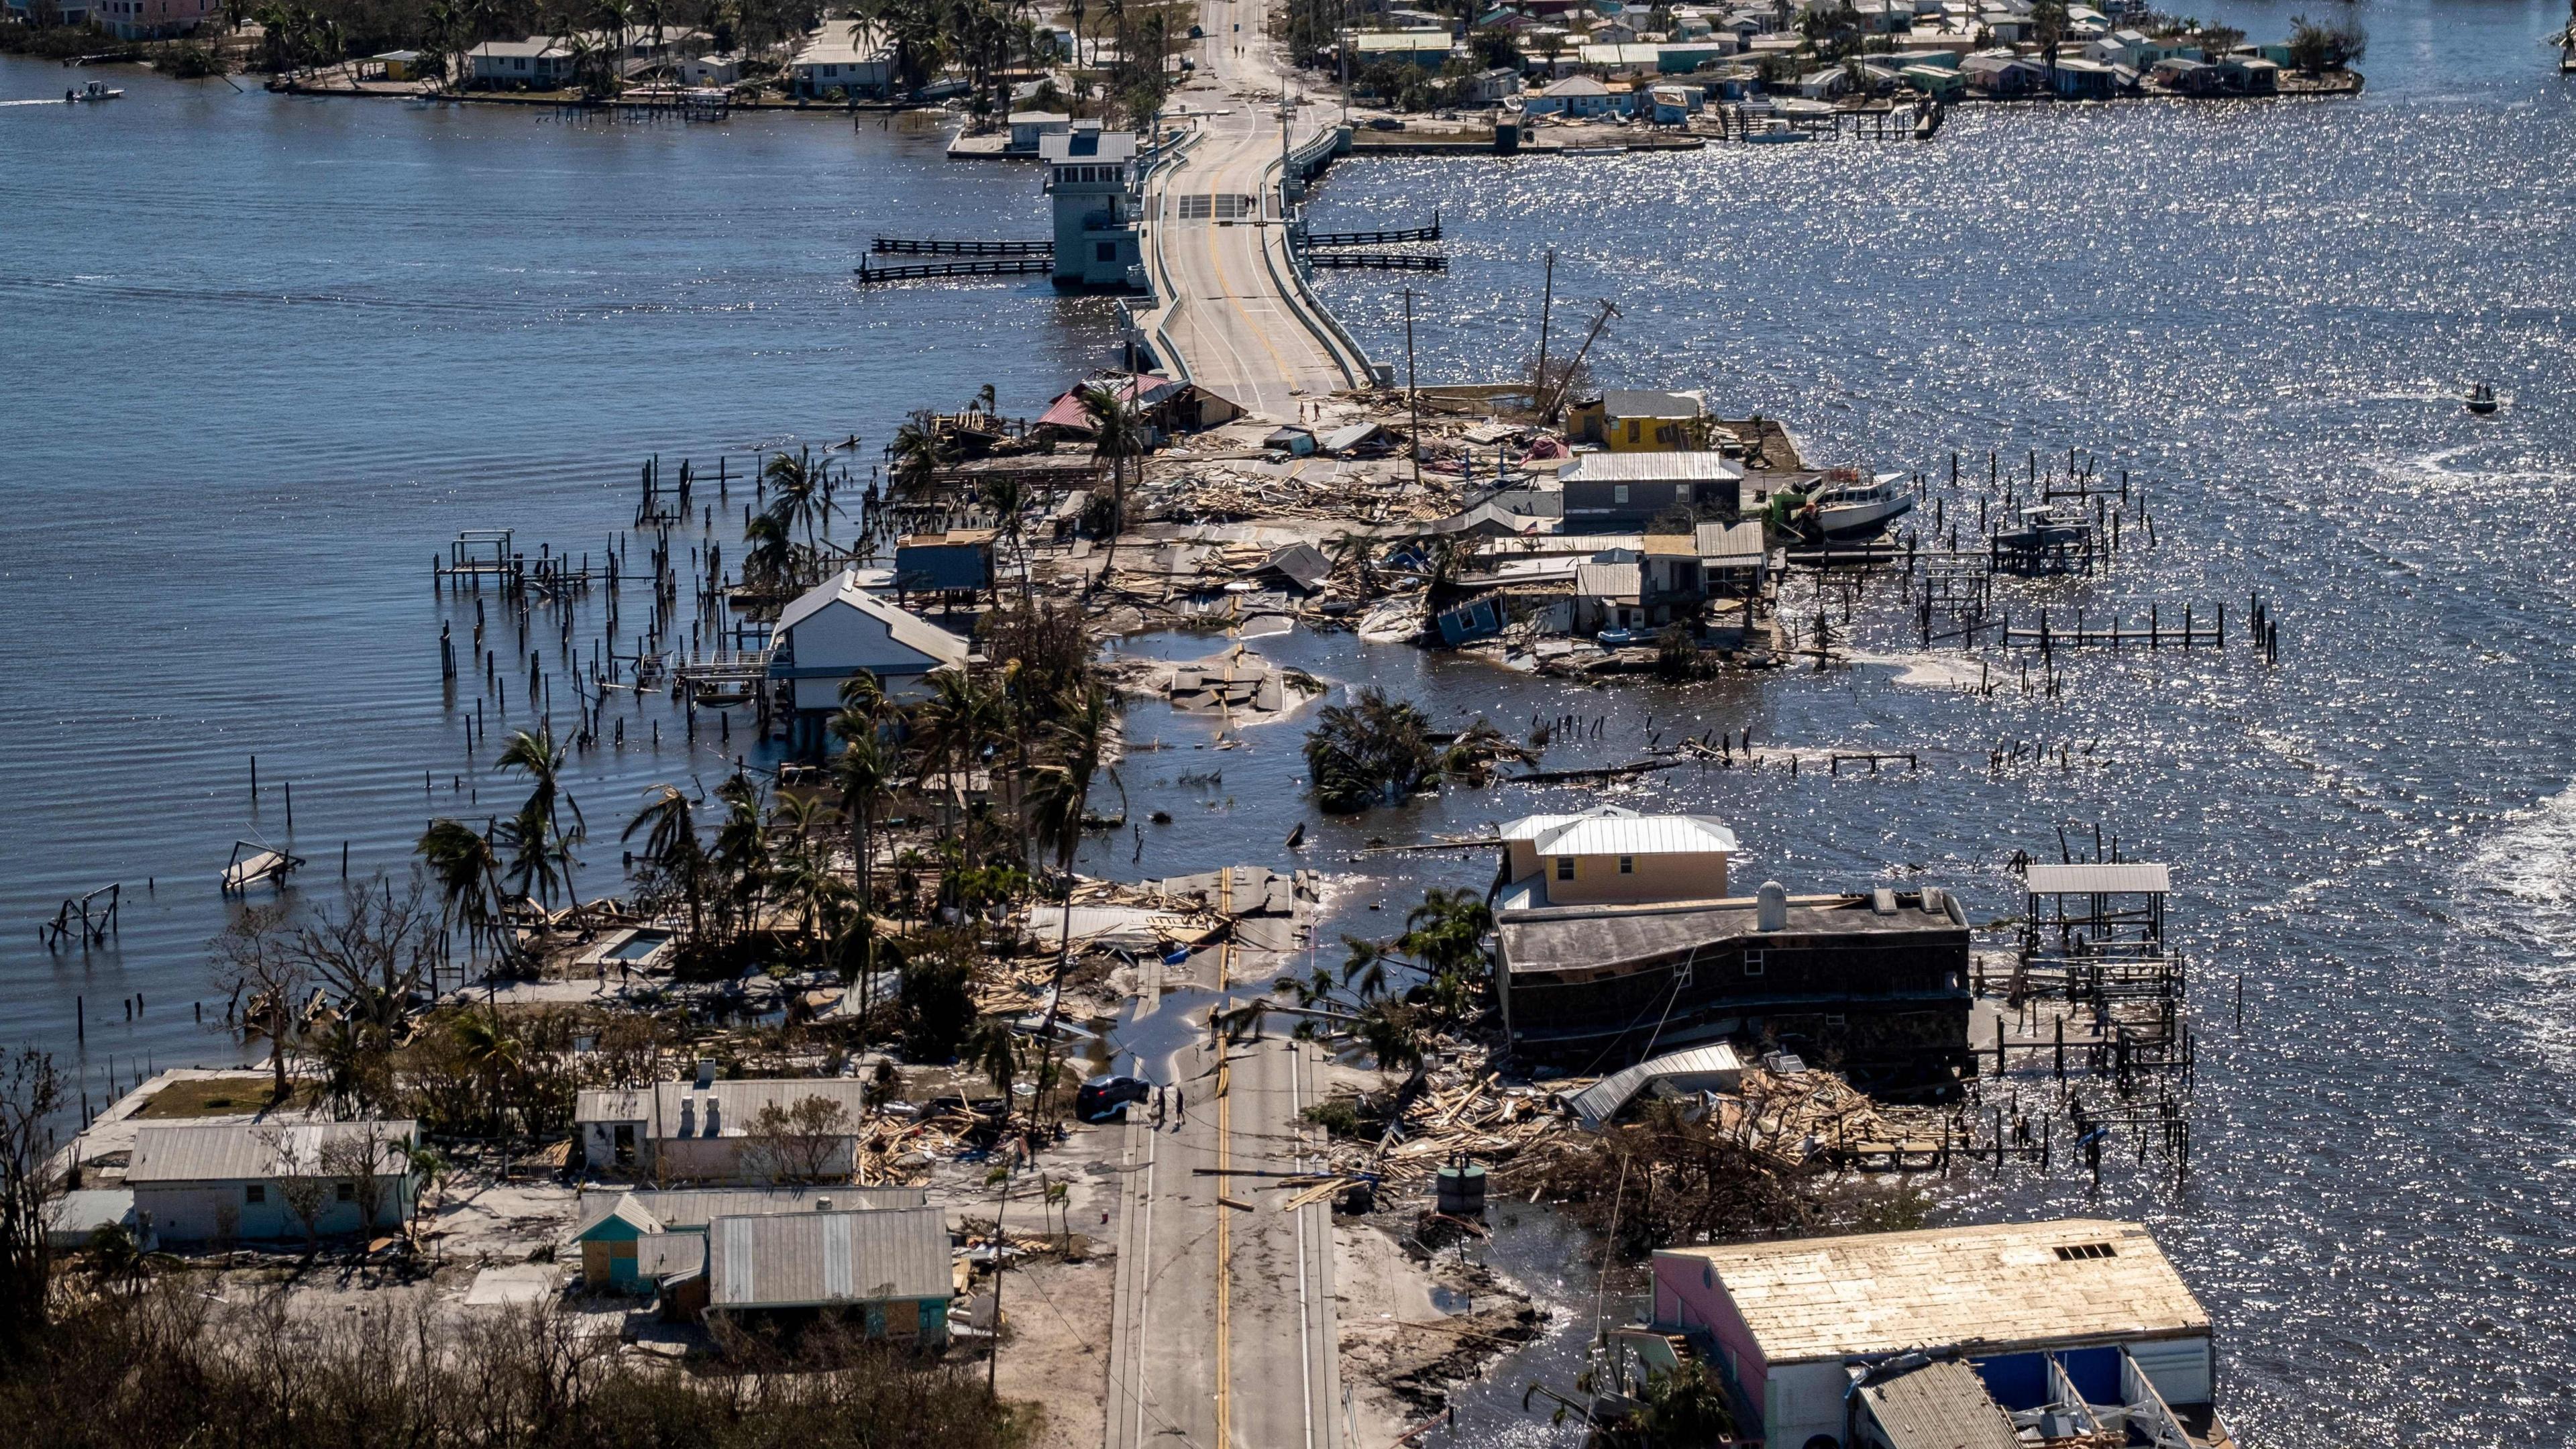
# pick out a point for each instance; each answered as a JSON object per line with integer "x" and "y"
{"x": 274, "y": 353}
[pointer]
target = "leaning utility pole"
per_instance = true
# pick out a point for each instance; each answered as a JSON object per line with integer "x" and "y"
{"x": 1412, "y": 394}
{"x": 1547, "y": 303}
{"x": 1556, "y": 395}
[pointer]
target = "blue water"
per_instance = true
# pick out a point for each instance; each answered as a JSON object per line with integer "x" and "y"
{"x": 276, "y": 352}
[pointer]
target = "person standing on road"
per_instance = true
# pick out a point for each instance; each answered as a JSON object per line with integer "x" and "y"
{"x": 1158, "y": 1106}
{"x": 1180, "y": 1110}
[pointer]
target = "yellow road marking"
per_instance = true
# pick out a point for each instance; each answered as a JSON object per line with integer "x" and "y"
{"x": 1224, "y": 1257}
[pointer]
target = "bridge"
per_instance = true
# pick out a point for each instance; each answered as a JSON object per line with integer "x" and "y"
{"x": 1233, "y": 313}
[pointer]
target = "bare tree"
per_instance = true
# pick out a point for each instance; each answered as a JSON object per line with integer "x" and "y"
{"x": 362, "y": 1158}
{"x": 256, "y": 961}
{"x": 798, "y": 1143}
{"x": 31, "y": 1092}
{"x": 304, "y": 1187}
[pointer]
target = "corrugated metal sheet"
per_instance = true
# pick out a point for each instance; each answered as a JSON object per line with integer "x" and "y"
{"x": 814, "y": 1258}
{"x": 2127, "y": 878}
{"x": 691, "y": 1209}
{"x": 738, "y": 1102}
{"x": 660, "y": 1255}
{"x": 1603, "y": 1100}
{"x": 1729, "y": 545}
{"x": 1652, "y": 468}
{"x": 251, "y": 1151}
{"x": 1939, "y": 1406}
{"x": 1607, "y": 581}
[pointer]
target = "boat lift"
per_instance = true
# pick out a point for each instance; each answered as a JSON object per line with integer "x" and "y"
{"x": 252, "y": 863}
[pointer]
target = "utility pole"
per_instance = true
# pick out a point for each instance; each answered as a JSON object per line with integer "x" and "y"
{"x": 1556, "y": 395}
{"x": 1547, "y": 303}
{"x": 1001, "y": 1260}
{"x": 1412, "y": 394}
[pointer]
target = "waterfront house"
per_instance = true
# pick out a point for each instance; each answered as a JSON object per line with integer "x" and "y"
{"x": 1091, "y": 174}
{"x": 613, "y": 1224}
{"x": 1489, "y": 87}
{"x": 1875, "y": 981}
{"x": 1824, "y": 85}
{"x": 705, "y": 1130}
{"x": 1940, "y": 83}
{"x": 1609, "y": 853}
{"x": 885, "y": 1273}
{"x": 2086, "y": 80}
{"x": 1640, "y": 420}
{"x": 137, "y": 19}
{"x": 722, "y": 68}
{"x": 838, "y": 629}
{"x": 2076, "y": 1331}
{"x": 1615, "y": 491}
{"x": 1608, "y": 594}
{"x": 263, "y": 1181}
{"x": 2003, "y": 74}
{"x": 843, "y": 59}
{"x": 1734, "y": 559}
{"x": 537, "y": 63}
{"x": 2119, "y": 47}
{"x": 1674, "y": 105}
{"x": 956, "y": 562}
{"x": 1577, "y": 96}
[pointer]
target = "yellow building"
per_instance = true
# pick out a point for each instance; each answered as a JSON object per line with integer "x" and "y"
{"x": 1638, "y": 420}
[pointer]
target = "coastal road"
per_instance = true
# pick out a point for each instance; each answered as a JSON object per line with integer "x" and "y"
{"x": 1233, "y": 313}
{"x": 1223, "y": 1332}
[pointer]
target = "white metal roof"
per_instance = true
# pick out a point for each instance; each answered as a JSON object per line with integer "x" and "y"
{"x": 2004, "y": 1285}
{"x": 1087, "y": 146}
{"x": 688, "y": 1209}
{"x": 1602, "y": 1100}
{"x": 908, "y": 629}
{"x": 1652, "y": 468}
{"x": 1610, "y": 830}
{"x": 844, "y": 42}
{"x": 2143, "y": 878}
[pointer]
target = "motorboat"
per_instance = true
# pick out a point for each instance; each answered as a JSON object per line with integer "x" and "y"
{"x": 94, "y": 91}
{"x": 1616, "y": 638}
{"x": 1853, "y": 506}
{"x": 1774, "y": 132}
{"x": 2482, "y": 399}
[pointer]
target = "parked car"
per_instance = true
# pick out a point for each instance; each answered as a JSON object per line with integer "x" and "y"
{"x": 1386, "y": 123}
{"x": 1103, "y": 1098}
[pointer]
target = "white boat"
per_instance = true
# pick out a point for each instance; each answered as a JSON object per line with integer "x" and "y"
{"x": 1775, "y": 132}
{"x": 1861, "y": 506}
{"x": 94, "y": 91}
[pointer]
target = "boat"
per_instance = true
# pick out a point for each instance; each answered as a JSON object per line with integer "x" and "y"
{"x": 2482, "y": 399}
{"x": 94, "y": 91}
{"x": 1775, "y": 132}
{"x": 1852, "y": 506}
{"x": 1616, "y": 638}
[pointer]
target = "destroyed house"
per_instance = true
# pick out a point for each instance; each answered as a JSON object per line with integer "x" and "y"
{"x": 2076, "y": 1333}
{"x": 1876, "y": 983}
{"x": 720, "y": 1131}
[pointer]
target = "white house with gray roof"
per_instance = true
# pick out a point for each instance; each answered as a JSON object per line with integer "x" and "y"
{"x": 259, "y": 1181}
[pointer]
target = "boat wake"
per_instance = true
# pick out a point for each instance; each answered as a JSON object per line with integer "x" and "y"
{"x": 2518, "y": 892}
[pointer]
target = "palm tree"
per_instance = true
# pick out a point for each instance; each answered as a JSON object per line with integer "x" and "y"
{"x": 541, "y": 857}
{"x": 798, "y": 486}
{"x": 1359, "y": 552}
{"x": 956, "y": 722}
{"x": 771, "y": 564}
{"x": 866, "y": 771}
{"x": 493, "y": 1052}
{"x": 918, "y": 455}
{"x": 1121, "y": 436}
{"x": 995, "y": 1051}
{"x": 468, "y": 872}
{"x": 670, "y": 824}
{"x": 1060, "y": 796}
{"x": 741, "y": 857}
{"x": 1446, "y": 935}
{"x": 1008, "y": 497}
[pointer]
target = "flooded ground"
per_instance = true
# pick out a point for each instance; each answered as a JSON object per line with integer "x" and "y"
{"x": 297, "y": 345}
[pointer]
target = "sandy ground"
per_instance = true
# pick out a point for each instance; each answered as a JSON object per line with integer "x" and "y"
{"x": 1401, "y": 1347}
